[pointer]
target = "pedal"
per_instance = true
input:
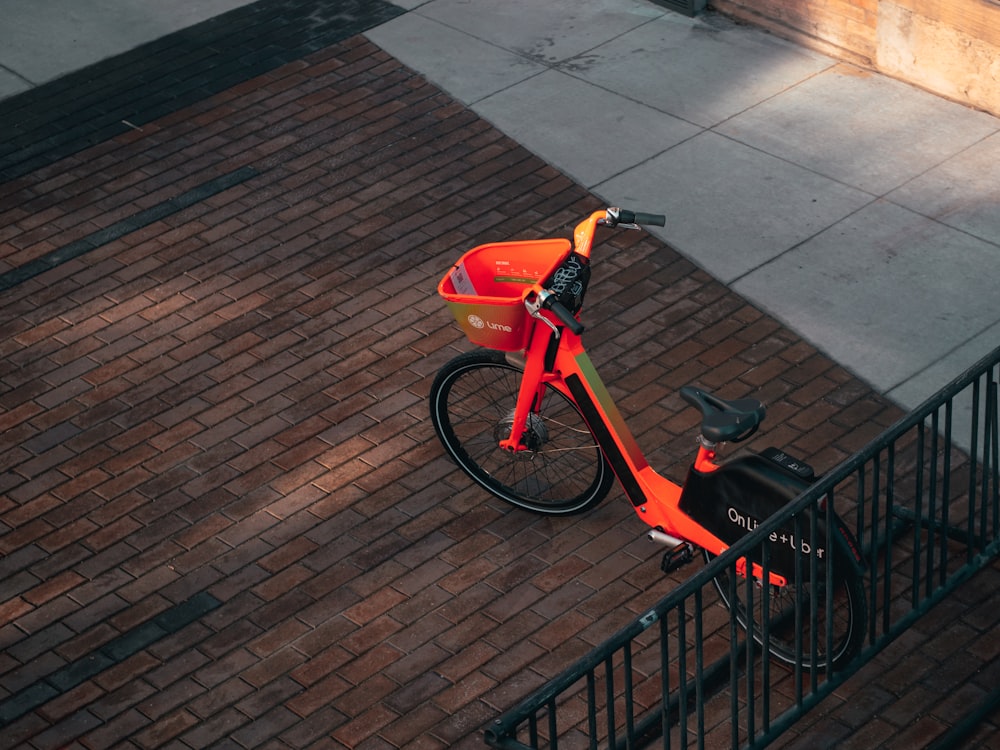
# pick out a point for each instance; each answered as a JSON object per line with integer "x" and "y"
{"x": 677, "y": 557}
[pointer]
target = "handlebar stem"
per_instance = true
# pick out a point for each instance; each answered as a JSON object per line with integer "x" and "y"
{"x": 583, "y": 235}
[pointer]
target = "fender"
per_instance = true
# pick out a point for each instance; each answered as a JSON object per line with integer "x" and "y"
{"x": 732, "y": 500}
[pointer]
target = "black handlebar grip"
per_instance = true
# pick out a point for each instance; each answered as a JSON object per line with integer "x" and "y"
{"x": 656, "y": 220}
{"x": 566, "y": 316}
{"x": 638, "y": 217}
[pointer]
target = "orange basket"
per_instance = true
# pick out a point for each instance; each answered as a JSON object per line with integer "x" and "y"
{"x": 485, "y": 290}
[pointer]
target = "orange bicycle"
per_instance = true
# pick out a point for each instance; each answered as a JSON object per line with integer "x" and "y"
{"x": 529, "y": 420}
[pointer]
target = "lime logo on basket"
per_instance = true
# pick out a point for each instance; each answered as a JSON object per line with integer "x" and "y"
{"x": 476, "y": 322}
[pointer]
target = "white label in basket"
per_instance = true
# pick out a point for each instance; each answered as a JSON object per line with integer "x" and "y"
{"x": 461, "y": 281}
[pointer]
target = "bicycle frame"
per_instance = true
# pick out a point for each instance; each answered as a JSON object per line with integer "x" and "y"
{"x": 555, "y": 357}
{"x": 655, "y": 498}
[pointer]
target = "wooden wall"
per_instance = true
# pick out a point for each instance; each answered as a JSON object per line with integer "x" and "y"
{"x": 949, "y": 47}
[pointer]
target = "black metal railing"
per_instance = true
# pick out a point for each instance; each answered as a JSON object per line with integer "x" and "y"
{"x": 922, "y": 501}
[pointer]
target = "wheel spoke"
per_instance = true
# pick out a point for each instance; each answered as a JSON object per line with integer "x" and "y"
{"x": 782, "y": 625}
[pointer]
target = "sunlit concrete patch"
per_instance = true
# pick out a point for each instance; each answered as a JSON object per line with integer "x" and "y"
{"x": 865, "y": 130}
{"x": 548, "y": 32}
{"x": 471, "y": 70}
{"x": 872, "y": 294}
{"x": 704, "y": 70}
{"x": 731, "y": 208}
{"x": 570, "y": 118}
{"x": 963, "y": 192}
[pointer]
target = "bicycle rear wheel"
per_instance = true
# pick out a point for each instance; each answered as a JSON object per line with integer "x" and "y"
{"x": 562, "y": 469}
{"x": 769, "y": 614}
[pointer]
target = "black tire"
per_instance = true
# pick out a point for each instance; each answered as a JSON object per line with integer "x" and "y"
{"x": 563, "y": 470}
{"x": 848, "y": 618}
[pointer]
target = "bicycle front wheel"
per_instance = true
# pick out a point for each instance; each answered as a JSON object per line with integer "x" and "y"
{"x": 561, "y": 470}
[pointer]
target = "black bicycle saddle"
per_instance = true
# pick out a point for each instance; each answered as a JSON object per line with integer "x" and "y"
{"x": 725, "y": 421}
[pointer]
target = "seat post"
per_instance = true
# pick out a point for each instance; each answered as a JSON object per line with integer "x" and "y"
{"x": 705, "y": 460}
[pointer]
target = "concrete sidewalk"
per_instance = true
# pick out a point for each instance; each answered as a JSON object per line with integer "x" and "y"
{"x": 40, "y": 42}
{"x": 860, "y": 211}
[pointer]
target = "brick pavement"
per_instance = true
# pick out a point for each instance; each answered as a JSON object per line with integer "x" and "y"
{"x": 225, "y": 520}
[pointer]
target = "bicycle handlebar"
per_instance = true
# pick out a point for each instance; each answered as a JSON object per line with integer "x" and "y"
{"x": 622, "y": 216}
{"x": 578, "y": 272}
{"x": 551, "y": 302}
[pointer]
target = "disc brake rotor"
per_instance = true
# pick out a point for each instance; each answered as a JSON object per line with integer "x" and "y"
{"x": 536, "y": 434}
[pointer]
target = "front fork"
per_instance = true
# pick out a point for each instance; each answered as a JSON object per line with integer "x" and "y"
{"x": 532, "y": 387}
{"x": 529, "y": 400}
